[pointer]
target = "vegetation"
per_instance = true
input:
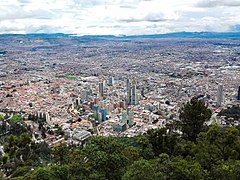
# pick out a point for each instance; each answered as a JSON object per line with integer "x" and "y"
{"x": 69, "y": 76}
{"x": 211, "y": 153}
{"x": 2, "y": 116}
{"x": 16, "y": 118}
{"x": 192, "y": 118}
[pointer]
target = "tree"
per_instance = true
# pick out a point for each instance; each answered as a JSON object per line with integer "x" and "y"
{"x": 186, "y": 169}
{"x": 146, "y": 147}
{"x": 41, "y": 174}
{"x": 144, "y": 170}
{"x": 216, "y": 146}
{"x": 21, "y": 171}
{"x": 192, "y": 118}
{"x": 60, "y": 153}
{"x": 226, "y": 170}
{"x": 107, "y": 156}
{"x": 162, "y": 141}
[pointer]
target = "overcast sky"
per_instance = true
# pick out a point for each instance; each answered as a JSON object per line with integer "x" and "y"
{"x": 118, "y": 16}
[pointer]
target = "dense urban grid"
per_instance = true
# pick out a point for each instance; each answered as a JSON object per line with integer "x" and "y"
{"x": 129, "y": 108}
{"x": 109, "y": 86}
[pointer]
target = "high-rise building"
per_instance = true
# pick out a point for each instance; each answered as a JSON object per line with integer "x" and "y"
{"x": 127, "y": 118}
{"x": 84, "y": 95}
{"x": 142, "y": 92}
{"x": 124, "y": 117}
{"x": 129, "y": 92}
{"x": 238, "y": 97}
{"x": 104, "y": 114}
{"x": 134, "y": 100}
{"x": 130, "y": 118}
{"x": 101, "y": 89}
{"x": 111, "y": 81}
{"x": 99, "y": 116}
{"x": 219, "y": 95}
{"x": 95, "y": 108}
{"x": 77, "y": 101}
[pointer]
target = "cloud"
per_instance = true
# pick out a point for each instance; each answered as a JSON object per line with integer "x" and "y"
{"x": 235, "y": 28}
{"x": 215, "y": 3}
{"x": 117, "y": 16}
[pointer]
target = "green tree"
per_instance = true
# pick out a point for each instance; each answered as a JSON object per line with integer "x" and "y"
{"x": 162, "y": 141}
{"x": 60, "y": 153}
{"x": 59, "y": 172}
{"x": 107, "y": 156}
{"x": 192, "y": 118}
{"x": 144, "y": 170}
{"x": 40, "y": 174}
{"x": 226, "y": 170}
{"x": 146, "y": 148}
{"x": 216, "y": 146}
{"x": 21, "y": 151}
{"x": 21, "y": 171}
{"x": 186, "y": 169}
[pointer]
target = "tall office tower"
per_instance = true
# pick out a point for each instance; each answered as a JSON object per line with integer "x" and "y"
{"x": 99, "y": 116}
{"x": 111, "y": 81}
{"x": 77, "y": 101}
{"x": 134, "y": 100}
{"x": 104, "y": 114}
{"x": 142, "y": 92}
{"x": 124, "y": 117}
{"x": 100, "y": 87}
{"x": 219, "y": 95}
{"x": 129, "y": 92}
{"x": 238, "y": 97}
{"x": 95, "y": 108}
{"x": 130, "y": 118}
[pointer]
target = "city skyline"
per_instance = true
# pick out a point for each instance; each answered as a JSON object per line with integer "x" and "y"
{"x": 128, "y": 17}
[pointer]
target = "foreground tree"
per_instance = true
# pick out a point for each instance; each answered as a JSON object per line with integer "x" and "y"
{"x": 162, "y": 140}
{"x": 192, "y": 118}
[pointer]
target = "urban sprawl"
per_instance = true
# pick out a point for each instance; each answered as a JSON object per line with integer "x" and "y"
{"x": 111, "y": 86}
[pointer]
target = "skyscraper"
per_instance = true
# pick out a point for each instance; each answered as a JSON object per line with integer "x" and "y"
{"x": 95, "y": 108}
{"x": 128, "y": 92}
{"x": 84, "y": 95}
{"x": 104, "y": 114}
{"x": 134, "y": 95}
{"x": 238, "y": 97}
{"x": 111, "y": 81}
{"x": 131, "y": 93}
{"x": 100, "y": 87}
{"x": 219, "y": 95}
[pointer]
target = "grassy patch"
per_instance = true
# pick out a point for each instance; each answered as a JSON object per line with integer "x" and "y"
{"x": 2, "y": 116}
{"x": 69, "y": 76}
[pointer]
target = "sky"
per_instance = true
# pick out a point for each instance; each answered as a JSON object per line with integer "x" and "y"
{"x": 118, "y": 17}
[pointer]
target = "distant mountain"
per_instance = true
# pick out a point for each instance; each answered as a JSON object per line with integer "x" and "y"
{"x": 205, "y": 35}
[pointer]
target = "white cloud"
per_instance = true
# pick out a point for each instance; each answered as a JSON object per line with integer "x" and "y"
{"x": 215, "y": 3}
{"x": 118, "y": 16}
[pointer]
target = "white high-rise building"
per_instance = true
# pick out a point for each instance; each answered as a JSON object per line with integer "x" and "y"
{"x": 219, "y": 95}
{"x": 134, "y": 100}
{"x": 111, "y": 81}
